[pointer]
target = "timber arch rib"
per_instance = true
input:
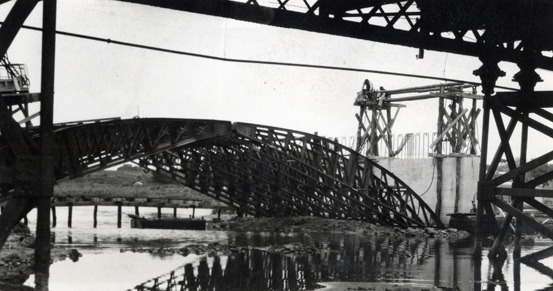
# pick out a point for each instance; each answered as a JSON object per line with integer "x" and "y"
{"x": 259, "y": 170}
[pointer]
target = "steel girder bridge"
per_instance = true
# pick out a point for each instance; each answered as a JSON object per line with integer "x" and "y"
{"x": 259, "y": 170}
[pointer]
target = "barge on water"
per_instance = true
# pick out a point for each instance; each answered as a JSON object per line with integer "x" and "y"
{"x": 168, "y": 223}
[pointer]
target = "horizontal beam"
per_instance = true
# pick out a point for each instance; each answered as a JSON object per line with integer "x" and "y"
{"x": 538, "y": 99}
{"x": 522, "y": 192}
{"x": 434, "y": 95}
{"x": 137, "y": 204}
{"x": 21, "y": 98}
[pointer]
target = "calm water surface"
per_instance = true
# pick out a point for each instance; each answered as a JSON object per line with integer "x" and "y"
{"x": 346, "y": 262}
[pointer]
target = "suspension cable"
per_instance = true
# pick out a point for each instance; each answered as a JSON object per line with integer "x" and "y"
{"x": 153, "y": 48}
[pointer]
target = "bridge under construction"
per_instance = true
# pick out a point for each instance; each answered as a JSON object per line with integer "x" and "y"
{"x": 279, "y": 164}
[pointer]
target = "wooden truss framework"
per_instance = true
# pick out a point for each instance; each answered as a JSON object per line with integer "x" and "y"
{"x": 527, "y": 108}
{"x": 375, "y": 121}
{"x": 530, "y": 115}
{"x": 456, "y": 123}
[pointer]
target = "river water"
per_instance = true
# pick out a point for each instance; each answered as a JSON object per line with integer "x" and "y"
{"x": 347, "y": 261}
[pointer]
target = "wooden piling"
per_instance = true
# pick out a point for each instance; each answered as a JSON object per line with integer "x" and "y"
{"x": 70, "y": 216}
{"x": 174, "y": 212}
{"x": 439, "y": 181}
{"x": 457, "y": 184}
{"x": 54, "y": 216}
{"x": 193, "y": 211}
{"x": 95, "y": 215}
{"x": 25, "y": 220}
{"x": 219, "y": 214}
{"x": 159, "y": 212}
{"x": 119, "y": 215}
{"x": 136, "y": 211}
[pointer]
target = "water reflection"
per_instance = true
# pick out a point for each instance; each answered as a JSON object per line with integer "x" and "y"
{"x": 411, "y": 264}
{"x": 377, "y": 262}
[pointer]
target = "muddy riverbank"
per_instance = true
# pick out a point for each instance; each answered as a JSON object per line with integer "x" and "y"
{"x": 300, "y": 224}
{"x": 17, "y": 258}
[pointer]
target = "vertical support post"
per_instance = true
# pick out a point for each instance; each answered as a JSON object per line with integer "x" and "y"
{"x": 194, "y": 211}
{"x": 374, "y": 132}
{"x": 473, "y": 127}
{"x": 438, "y": 158}
{"x": 441, "y": 112}
{"x": 95, "y": 214}
{"x": 25, "y": 220}
{"x": 457, "y": 183}
{"x": 69, "y": 215}
{"x": 174, "y": 212}
{"x": 360, "y": 127}
{"x": 219, "y": 214}
{"x": 523, "y": 160}
{"x": 439, "y": 181}
{"x": 136, "y": 211}
{"x": 489, "y": 72}
{"x": 159, "y": 212}
{"x": 119, "y": 215}
{"x": 482, "y": 177}
{"x": 47, "y": 147}
{"x": 54, "y": 216}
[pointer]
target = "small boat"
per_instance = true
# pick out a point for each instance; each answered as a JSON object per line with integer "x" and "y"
{"x": 167, "y": 223}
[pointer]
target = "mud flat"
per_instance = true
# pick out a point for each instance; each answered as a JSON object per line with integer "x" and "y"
{"x": 302, "y": 224}
{"x": 17, "y": 258}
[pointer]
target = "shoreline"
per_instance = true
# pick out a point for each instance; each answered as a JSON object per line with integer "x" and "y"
{"x": 17, "y": 258}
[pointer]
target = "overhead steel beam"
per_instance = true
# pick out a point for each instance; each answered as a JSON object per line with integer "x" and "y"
{"x": 341, "y": 24}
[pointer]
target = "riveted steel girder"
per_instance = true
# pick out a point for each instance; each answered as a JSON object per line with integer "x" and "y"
{"x": 467, "y": 27}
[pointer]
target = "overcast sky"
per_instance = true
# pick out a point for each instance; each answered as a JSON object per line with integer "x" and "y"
{"x": 100, "y": 80}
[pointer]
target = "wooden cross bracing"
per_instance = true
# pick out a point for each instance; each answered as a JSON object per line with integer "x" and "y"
{"x": 374, "y": 124}
{"x": 512, "y": 200}
{"x": 457, "y": 127}
{"x": 528, "y": 109}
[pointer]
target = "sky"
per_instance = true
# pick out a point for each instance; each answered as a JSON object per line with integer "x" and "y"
{"x": 101, "y": 80}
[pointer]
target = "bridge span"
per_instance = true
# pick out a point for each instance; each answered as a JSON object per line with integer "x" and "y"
{"x": 258, "y": 170}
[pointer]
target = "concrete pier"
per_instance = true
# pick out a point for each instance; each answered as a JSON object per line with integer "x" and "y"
{"x": 455, "y": 182}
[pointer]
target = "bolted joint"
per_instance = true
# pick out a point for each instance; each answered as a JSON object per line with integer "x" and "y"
{"x": 486, "y": 191}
